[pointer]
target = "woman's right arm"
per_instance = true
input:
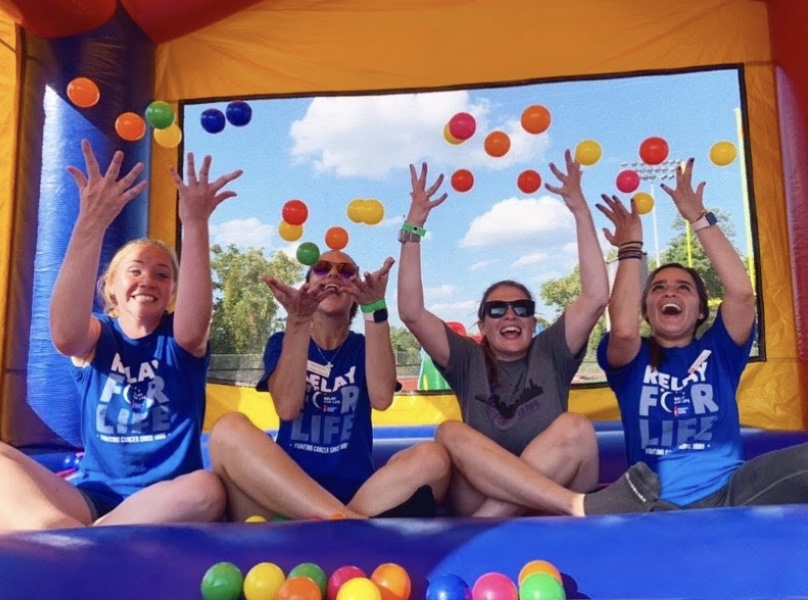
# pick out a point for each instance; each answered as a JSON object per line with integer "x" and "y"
{"x": 625, "y": 302}
{"x": 101, "y": 198}
{"x": 427, "y": 327}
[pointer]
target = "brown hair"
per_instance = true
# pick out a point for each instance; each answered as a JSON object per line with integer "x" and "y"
{"x": 657, "y": 353}
{"x": 490, "y": 359}
{"x": 107, "y": 299}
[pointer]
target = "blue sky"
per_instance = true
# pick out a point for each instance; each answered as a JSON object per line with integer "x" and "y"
{"x": 330, "y": 150}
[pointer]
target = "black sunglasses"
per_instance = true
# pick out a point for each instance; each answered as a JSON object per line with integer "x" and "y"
{"x": 323, "y": 267}
{"x": 496, "y": 309}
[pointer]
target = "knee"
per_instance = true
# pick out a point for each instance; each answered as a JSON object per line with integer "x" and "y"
{"x": 450, "y": 433}
{"x": 205, "y": 496}
{"x": 225, "y": 435}
{"x": 572, "y": 429}
{"x": 432, "y": 459}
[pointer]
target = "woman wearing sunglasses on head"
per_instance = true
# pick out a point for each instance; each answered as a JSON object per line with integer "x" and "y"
{"x": 517, "y": 451}
{"x": 324, "y": 380}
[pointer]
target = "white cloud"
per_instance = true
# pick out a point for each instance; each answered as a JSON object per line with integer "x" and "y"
{"x": 530, "y": 222}
{"x": 440, "y": 292}
{"x": 482, "y": 264}
{"x": 463, "y": 311}
{"x": 530, "y": 259}
{"x": 370, "y": 136}
{"x": 243, "y": 233}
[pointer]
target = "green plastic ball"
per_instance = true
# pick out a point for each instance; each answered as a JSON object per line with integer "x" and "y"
{"x": 222, "y": 581}
{"x": 313, "y": 572}
{"x": 308, "y": 253}
{"x": 159, "y": 114}
{"x": 541, "y": 586}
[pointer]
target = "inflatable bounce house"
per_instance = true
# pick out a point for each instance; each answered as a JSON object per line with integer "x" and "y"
{"x": 183, "y": 51}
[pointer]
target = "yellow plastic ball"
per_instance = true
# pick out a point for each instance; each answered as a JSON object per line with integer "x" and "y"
{"x": 255, "y": 519}
{"x": 356, "y": 210}
{"x": 723, "y": 153}
{"x": 359, "y": 588}
{"x": 644, "y": 202}
{"x": 263, "y": 581}
{"x": 373, "y": 212}
{"x": 588, "y": 152}
{"x": 290, "y": 233}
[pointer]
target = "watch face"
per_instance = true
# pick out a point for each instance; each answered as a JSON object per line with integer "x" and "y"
{"x": 380, "y": 315}
{"x": 711, "y": 218}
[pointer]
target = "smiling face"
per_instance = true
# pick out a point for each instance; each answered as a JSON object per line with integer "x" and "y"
{"x": 509, "y": 335}
{"x": 140, "y": 283}
{"x": 674, "y": 305}
{"x": 334, "y": 269}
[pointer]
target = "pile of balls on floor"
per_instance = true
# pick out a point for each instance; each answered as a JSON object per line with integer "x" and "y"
{"x": 538, "y": 580}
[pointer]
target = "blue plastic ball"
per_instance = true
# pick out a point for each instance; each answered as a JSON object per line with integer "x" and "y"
{"x": 238, "y": 113}
{"x": 448, "y": 587}
{"x": 212, "y": 120}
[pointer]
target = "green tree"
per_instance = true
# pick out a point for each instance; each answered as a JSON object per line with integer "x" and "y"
{"x": 244, "y": 308}
{"x": 404, "y": 343}
{"x": 560, "y": 293}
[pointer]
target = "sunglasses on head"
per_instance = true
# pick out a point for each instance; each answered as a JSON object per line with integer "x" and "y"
{"x": 496, "y": 309}
{"x": 323, "y": 267}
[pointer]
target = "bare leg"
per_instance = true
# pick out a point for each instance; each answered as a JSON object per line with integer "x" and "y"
{"x": 565, "y": 454}
{"x": 426, "y": 463}
{"x": 34, "y": 498}
{"x": 257, "y": 473}
{"x": 197, "y": 497}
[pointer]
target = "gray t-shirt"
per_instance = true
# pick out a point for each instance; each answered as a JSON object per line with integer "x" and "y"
{"x": 530, "y": 393}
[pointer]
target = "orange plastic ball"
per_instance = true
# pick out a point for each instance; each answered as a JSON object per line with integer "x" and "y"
{"x": 653, "y": 150}
{"x": 528, "y": 181}
{"x": 462, "y": 180}
{"x": 393, "y": 581}
{"x": 497, "y": 144}
{"x": 539, "y": 566}
{"x": 130, "y": 126}
{"x": 536, "y": 119}
{"x": 336, "y": 238}
{"x": 83, "y": 92}
{"x": 299, "y": 588}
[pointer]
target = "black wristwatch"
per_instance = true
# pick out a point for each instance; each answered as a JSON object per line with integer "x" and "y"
{"x": 377, "y": 316}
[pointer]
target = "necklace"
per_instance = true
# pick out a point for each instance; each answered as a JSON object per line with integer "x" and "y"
{"x": 329, "y": 362}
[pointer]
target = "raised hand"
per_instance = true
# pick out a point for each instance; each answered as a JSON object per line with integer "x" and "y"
{"x": 570, "y": 188}
{"x": 102, "y": 197}
{"x": 298, "y": 302}
{"x": 373, "y": 286}
{"x": 689, "y": 202}
{"x": 200, "y": 197}
{"x": 421, "y": 195}
{"x": 627, "y": 224}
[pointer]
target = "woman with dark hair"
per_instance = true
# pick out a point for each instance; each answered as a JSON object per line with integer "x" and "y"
{"x": 517, "y": 450}
{"x": 677, "y": 390}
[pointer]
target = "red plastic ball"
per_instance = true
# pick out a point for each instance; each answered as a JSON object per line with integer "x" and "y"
{"x": 653, "y": 150}
{"x": 528, "y": 181}
{"x": 462, "y": 126}
{"x": 462, "y": 180}
{"x": 295, "y": 212}
{"x": 627, "y": 181}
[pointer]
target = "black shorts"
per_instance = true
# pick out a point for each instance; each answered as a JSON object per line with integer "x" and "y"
{"x": 99, "y": 503}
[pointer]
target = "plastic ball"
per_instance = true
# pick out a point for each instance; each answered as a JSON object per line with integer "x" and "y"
{"x": 263, "y": 581}
{"x": 69, "y": 462}
{"x": 536, "y": 119}
{"x": 644, "y": 202}
{"x": 494, "y": 586}
{"x": 588, "y": 152}
{"x": 448, "y": 587}
{"x": 308, "y": 253}
{"x": 528, "y": 181}
{"x": 462, "y": 126}
{"x": 373, "y": 212}
{"x": 723, "y": 153}
{"x": 159, "y": 114}
{"x": 289, "y": 233}
{"x": 627, "y": 181}
{"x": 130, "y": 126}
{"x": 170, "y": 137}
{"x": 222, "y": 581}
{"x": 295, "y": 212}
{"x": 539, "y": 566}
{"x": 541, "y": 586}
{"x": 457, "y": 327}
{"x": 212, "y": 120}
{"x": 339, "y": 577}
{"x": 83, "y": 92}
{"x": 359, "y": 588}
{"x": 497, "y": 144}
{"x": 314, "y": 572}
{"x": 462, "y": 180}
{"x": 355, "y": 210}
{"x": 238, "y": 113}
{"x": 653, "y": 150}
{"x": 393, "y": 581}
{"x": 447, "y": 135}
{"x": 255, "y": 519}
{"x": 336, "y": 238}
{"x": 299, "y": 588}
